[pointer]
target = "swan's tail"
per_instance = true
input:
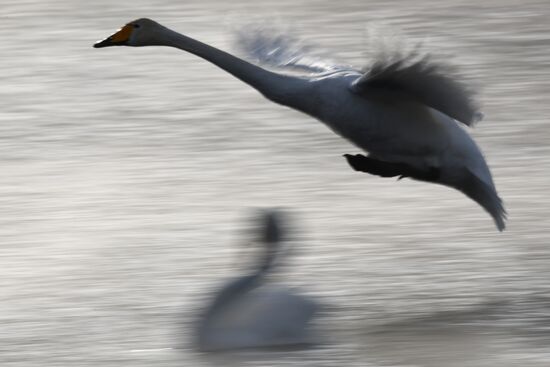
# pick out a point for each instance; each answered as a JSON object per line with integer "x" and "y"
{"x": 484, "y": 194}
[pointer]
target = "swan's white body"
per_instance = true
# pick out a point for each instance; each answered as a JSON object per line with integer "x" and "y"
{"x": 396, "y": 130}
{"x": 258, "y": 318}
{"x": 405, "y": 117}
{"x": 247, "y": 313}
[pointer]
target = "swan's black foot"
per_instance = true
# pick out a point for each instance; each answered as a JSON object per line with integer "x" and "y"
{"x": 362, "y": 163}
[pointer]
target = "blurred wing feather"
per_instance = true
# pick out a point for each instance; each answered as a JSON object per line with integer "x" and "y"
{"x": 429, "y": 82}
{"x": 278, "y": 49}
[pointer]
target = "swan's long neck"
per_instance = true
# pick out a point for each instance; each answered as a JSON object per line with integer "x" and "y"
{"x": 232, "y": 292}
{"x": 235, "y": 290}
{"x": 240, "y": 286}
{"x": 283, "y": 89}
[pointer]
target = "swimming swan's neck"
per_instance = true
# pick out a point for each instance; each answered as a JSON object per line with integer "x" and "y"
{"x": 237, "y": 289}
{"x": 282, "y": 89}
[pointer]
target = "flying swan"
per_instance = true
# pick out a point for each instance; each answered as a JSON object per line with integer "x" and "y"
{"x": 406, "y": 112}
{"x": 248, "y": 313}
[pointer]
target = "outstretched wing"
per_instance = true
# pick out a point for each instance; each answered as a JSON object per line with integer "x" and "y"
{"x": 278, "y": 49}
{"x": 432, "y": 83}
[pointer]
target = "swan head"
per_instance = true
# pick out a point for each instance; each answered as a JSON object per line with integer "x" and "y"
{"x": 140, "y": 32}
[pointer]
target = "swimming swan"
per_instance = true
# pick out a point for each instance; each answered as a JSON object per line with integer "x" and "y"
{"x": 246, "y": 313}
{"x": 406, "y": 113}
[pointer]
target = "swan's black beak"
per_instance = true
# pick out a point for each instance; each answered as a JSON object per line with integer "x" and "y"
{"x": 119, "y": 38}
{"x": 105, "y": 43}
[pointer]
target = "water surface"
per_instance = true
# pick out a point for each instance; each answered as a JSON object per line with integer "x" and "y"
{"x": 127, "y": 175}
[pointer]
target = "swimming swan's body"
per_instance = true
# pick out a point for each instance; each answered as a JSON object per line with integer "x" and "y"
{"x": 247, "y": 313}
{"x": 406, "y": 114}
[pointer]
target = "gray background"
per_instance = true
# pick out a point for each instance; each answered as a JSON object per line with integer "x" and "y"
{"x": 128, "y": 176}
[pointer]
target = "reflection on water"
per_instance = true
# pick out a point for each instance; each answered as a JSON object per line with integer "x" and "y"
{"x": 126, "y": 172}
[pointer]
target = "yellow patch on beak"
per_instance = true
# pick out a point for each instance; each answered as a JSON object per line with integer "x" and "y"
{"x": 123, "y": 34}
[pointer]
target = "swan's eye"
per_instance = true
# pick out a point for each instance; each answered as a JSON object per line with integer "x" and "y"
{"x": 136, "y": 25}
